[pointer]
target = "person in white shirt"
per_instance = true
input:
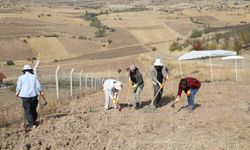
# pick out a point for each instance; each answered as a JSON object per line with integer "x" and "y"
{"x": 28, "y": 88}
{"x": 111, "y": 88}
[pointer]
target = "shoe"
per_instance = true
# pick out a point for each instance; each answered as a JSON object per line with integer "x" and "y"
{"x": 33, "y": 127}
{"x": 137, "y": 106}
{"x": 190, "y": 109}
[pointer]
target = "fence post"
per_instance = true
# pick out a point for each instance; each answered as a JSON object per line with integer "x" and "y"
{"x": 57, "y": 84}
{"x": 96, "y": 80}
{"x": 86, "y": 82}
{"x": 80, "y": 80}
{"x": 92, "y": 83}
{"x": 35, "y": 66}
{"x": 71, "y": 82}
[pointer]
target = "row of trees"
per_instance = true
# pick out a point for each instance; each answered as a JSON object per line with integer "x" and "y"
{"x": 95, "y": 22}
{"x": 234, "y": 40}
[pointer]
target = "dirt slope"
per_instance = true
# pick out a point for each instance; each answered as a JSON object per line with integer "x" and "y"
{"x": 222, "y": 121}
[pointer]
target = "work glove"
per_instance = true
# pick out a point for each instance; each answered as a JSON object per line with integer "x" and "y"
{"x": 42, "y": 93}
{"x": 175, "y": 101}
{"x": 17, "y": 94}
{"x": 188, "y": 92}
{"x": 134, "y": 86}
{"x": 161, "y": 85}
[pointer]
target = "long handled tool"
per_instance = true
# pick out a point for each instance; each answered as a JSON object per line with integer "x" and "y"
{"x": 152, "y": 102}
{"x": 44, "y": 101}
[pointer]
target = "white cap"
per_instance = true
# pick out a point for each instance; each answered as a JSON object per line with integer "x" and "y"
{"x": 118, "y": 85}
{"x": 27, "y": 67}
{"x": 158, "y": 62}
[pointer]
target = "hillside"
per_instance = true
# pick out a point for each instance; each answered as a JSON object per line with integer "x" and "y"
{"x": 220, "y": 121}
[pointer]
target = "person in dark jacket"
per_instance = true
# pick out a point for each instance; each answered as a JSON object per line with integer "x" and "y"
{"x": 137, "y": 83}
{"x": 190, "y": 86}
{"x": 159, "y": 77}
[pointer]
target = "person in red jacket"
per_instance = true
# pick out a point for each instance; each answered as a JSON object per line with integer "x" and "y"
{"x": 190, "y": 86}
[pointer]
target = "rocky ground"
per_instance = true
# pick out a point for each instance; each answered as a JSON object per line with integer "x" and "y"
{"x": 220, "y": 121}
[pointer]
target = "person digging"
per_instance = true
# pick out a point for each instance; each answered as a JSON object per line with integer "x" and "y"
{"x": 28, "y": 88}
{"x": 190, "y": 86}
{"x": 159, "y": 77}
{"x": 136, "y": 79}
{"x": 111, "y": 88}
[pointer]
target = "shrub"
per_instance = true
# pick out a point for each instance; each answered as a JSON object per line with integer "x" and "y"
{"x": 175, "y": 46}
{"x": 49, "y": 15}
{"x": 197, "y": 45}
{"x": 101, "y": 32}
{"x": 110, "y": 41}
{"x": 112, "y": 30}
{"x": 119, "y": 70}
{"x": 10, "y": 63}
{"x": 237, "y": 45}
{"x": 196, "y": 34}
{"x": 82, "y": 37}
{"x": 25, "y": 41}
{"x": 154, "y": 49}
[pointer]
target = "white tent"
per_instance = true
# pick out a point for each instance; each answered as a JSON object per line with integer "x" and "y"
{"x": 236, "y": 64}
{"x": 205, "y": 54}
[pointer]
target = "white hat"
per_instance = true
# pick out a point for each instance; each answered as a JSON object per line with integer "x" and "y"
{"x": 27, "y": 67}
{"x": 158, "y": 62}
{"x": 118, "y": 85}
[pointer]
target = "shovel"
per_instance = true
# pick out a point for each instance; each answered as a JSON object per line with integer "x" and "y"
{"x": 44, "y": 101}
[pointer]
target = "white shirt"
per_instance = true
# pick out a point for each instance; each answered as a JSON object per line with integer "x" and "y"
{"x": 108, "y": 85}
{"x": 28, "y": 85}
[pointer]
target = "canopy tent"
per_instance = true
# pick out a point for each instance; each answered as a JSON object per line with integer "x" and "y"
{"x": 236, "y": 63}
{"x": 205, "y": 54}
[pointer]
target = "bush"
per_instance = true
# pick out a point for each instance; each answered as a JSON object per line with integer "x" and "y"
{"x": 101, "y": 32}
{"x": 112, "y": 30}
{"x": 154, "y": 49}
{"x": 196, "y": 34}
{"x": 237, "y": 45}
{"x": 197, "y": 45}
{"x": 52, "y": 35}
{"x": 25, "y": 41}
{"x": 10, "y": 63}
{"x": 49, "y": 15}
{"x": 82, "y": 37}
{"x": 175, "y": 46}
{"x": 110, "y": 41}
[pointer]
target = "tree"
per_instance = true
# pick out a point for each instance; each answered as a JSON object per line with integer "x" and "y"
{"x": 197, "y": 45}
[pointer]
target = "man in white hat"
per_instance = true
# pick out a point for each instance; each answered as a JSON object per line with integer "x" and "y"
{"x": 111, "y": 88}
{"x": 28, "y": 88}
{"x": 159, "y": 76}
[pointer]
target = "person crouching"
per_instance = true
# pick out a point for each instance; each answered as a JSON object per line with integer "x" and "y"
{"x": 111, "y": 88}
{"x": 190, "y": 86}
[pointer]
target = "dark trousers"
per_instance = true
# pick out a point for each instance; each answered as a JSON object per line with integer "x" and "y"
{"x": 158, "y": 97}
{"x": 30, "y": 105}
